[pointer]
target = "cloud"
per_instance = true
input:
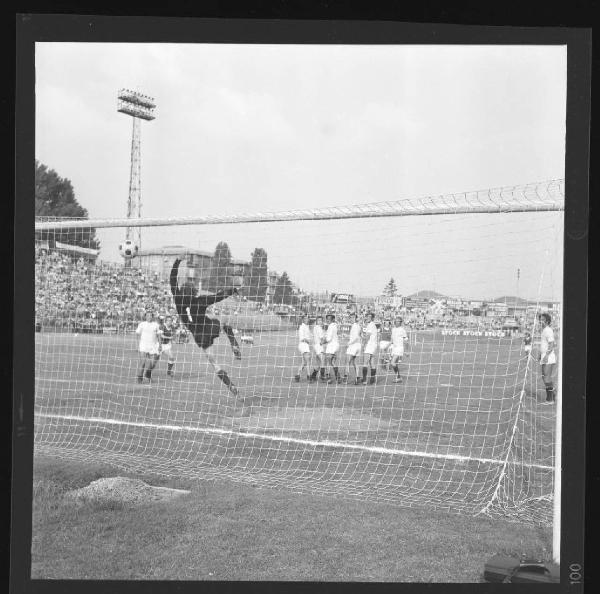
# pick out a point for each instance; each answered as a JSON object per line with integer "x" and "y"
{"x": 229, "y": 114}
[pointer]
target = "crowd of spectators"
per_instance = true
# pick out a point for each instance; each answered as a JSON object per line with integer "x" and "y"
{"x": 81, "y": 296}
{"x": 419, "y": 319}
{"x": 72, "y": 294}
{"x": 75, "y": 295}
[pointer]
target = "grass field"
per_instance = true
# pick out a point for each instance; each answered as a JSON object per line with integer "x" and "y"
{"x": 232, "y": 531}
{"x": 435, "y": 443}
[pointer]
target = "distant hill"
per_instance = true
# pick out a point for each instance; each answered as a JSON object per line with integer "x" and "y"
{"x": 511, "y": 300}
{"x": 426, "y": 295}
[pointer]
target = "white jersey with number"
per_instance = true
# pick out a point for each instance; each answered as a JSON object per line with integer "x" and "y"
{"x": 304, "y": 338}
{"x": 148, "y": 332}
{"x": 318, "y": 335}
{"x": 333, "y": 343}
{"x": 371, "y": 332}
{"x": 546, "y": 338}
{"x": 398, "y": 337}
{"x": 354, "y": 345}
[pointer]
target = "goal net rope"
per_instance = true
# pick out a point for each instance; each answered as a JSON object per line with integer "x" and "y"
{"x": 456, "y": 424}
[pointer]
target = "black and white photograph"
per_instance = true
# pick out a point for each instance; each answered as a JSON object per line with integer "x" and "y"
{"x": 299, "y": 312}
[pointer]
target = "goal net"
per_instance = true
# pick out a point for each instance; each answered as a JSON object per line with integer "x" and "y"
{"x": 457, "y": 423}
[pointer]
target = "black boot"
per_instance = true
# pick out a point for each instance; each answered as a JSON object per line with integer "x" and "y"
{"x": 222, "y": 375}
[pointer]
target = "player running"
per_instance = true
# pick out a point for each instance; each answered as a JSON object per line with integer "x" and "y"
{"x": 318, "y": 340}
{"x": 166, "y": 333}
{"x": 399, "y": 338}
{"x": 304, "y": 340}
{"x": 192, "y": 311}
{"x": 354, "y": 348}
{"x": 370, "y": 362}
{"x": 149, "y": 346}
{"x": 332, "y": 346}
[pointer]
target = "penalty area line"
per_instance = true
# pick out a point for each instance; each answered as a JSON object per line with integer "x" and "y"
{"x": 277, "y": 438}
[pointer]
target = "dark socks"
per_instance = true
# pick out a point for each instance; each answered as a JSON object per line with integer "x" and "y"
{"x": 365, "y": 370}
{"x": 550, "y": 393}
{"x": 373, "y": 371}
{"x": 235, "y": 347}
{"x": 222, "y": 375}
{"x": 336, "y": 372}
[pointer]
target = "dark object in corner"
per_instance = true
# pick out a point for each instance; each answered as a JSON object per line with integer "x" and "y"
{"x": 511, "y": 570}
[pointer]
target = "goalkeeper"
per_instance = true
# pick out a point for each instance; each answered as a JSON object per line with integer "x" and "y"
{"x": 192, "y": 311}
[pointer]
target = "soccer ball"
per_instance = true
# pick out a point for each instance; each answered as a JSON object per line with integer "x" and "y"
{"x": 128, "y": 249}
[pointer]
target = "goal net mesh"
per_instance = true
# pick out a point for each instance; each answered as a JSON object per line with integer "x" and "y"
{"x": 462, "y": 430}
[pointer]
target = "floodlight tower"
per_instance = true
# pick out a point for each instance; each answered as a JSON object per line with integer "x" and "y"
{"x": 139, "y": 107}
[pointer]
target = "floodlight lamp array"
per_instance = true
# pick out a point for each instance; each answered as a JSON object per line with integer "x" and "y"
{"x": 136, "y": 104}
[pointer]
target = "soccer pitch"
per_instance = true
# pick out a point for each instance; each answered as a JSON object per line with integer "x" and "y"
{"x": 440, "y": 439}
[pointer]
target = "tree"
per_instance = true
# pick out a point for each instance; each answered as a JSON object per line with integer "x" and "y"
{"x": 220, "y": 267}
{"x": 257, "y": 280}
{"x": 284, "y": 290}
{"x": 390, "y": 289}
{"x": 54, "y": 197}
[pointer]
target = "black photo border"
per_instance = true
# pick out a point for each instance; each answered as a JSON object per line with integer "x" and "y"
{"x": 109, "y": 28}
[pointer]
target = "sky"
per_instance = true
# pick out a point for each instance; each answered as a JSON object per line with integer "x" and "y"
{"x": 268, "y": 128}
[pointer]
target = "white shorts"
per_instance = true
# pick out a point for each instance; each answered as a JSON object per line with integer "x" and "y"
{"x": 370, "y": 348}
{"x": 166, "y": 348}
{"x": 354, "y": 349}
{"x": 318, "y": 349}
{"x": 151, "y": 353}
{"x": 384, "y": 344}
{"x": 551, "y": 358}
{"x": 303, "y": 347}
{"x": 397, "y": 351}
{"x": 332, "y": 348}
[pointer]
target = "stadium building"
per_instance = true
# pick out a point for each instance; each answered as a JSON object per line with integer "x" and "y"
{"x": 160, "y": 260}
{"x": 197, "y": 268}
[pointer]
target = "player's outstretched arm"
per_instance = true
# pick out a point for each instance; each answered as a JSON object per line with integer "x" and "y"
{"x": 173, "y": 277}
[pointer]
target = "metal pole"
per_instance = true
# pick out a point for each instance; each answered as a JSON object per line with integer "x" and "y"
{"x": 558, "y": 457}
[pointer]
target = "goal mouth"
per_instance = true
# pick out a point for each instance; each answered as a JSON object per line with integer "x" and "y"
{"x": 443, "y": 409}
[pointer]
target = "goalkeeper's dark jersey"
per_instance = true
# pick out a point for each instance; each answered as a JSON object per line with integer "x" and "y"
{"x": 192, "y": 310}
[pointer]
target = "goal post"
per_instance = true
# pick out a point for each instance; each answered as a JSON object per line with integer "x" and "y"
{"x": 451, "y": 419}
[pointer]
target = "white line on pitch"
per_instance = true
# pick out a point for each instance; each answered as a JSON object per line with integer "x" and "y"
{"x": 248, "y": 435}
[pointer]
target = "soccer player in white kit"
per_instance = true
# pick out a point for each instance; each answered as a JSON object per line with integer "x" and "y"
{"x": 371, "y": 331}
{"x": 304, "y": 340}
{"x": 399, "y": 338}
{"x": 354, "y": 348}
{"x": 547, "y": 356}
{"x": 149, "y": 346}
{"x": 332, "y": 346}
{"x": 318, "y": 340}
